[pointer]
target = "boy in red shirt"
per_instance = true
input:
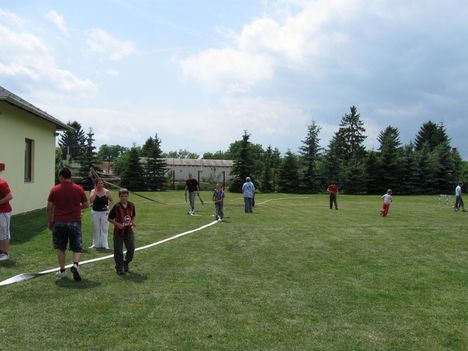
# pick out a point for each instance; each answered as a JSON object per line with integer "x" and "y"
{"x": 122, "y": 216}
{"x": 333, "y": 190}
{"x": 5, "y": 215}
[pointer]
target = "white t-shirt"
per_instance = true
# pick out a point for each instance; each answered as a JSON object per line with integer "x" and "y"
{"x": 387, "y": 198}
{"x": 458, "y": 190}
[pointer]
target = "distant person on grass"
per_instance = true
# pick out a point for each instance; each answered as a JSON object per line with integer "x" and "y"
{"x": 218, "y": 199}
{"x": 387, "y": 200}
{"x": 191, "y": 186}
{"x": 5, "y": 216}
{"x": 102, "y": 201}
{"x": 458, "y": 198}
{"x": 332, "y": 190}
{"x": 248, "y": 190}
{"x": 64, "y": 205}
{"x": 122, "y": 216}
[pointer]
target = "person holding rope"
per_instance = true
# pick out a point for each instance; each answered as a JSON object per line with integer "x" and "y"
{"x": 122, "y": 216}
{"x": 64, "y": 210}
{"x": 191, "y": 186}
{"x": 218, "y": 199}
{"x": 102, "y": 201}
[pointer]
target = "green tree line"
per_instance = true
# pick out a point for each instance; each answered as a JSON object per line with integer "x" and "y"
{"x": 427, "y": 165}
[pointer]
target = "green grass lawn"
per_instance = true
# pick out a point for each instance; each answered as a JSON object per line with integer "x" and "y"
{"x": 293, "y": 275}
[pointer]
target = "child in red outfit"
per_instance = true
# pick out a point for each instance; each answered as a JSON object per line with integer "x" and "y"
{"x": 387, "y": 200}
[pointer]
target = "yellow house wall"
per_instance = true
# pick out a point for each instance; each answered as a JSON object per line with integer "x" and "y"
{"x": 15, "y": 126}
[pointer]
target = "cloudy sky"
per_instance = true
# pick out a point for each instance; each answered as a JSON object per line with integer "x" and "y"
{"x": 199, "y": 73}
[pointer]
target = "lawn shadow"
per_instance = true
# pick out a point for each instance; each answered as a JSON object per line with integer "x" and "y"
{"x": 71, "y": 284}
{"x": 8, "y": 263}
{"x": 26, "y": 226}
{"x": 135, "y": 277}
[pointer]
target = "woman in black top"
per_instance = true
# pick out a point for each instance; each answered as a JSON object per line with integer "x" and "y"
{"x": 101, "y": 200}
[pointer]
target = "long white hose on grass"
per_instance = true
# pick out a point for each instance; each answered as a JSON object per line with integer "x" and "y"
{"x": 26, "y": 276}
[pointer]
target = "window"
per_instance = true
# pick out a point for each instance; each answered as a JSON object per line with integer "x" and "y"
{"x": 28, "y": 160}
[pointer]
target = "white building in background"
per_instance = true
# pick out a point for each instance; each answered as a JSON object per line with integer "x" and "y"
{"x": 205, "y": 171}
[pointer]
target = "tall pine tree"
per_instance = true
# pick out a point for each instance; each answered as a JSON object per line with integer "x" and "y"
{"x": 288, "y": 181}
{"x": 155, "y": 167}
{"x": 132, "y": 176}
{"x": 310, "y": 152}
{"x": 243, "y": 165}
{"x": 411, "y": 174}
{"x": 268, "y": 172}
{"x": 88, "y": 158}
{"x": 390, "y": 153}
{"x": 72, "y": 141}
{"x": 431, "y": 134}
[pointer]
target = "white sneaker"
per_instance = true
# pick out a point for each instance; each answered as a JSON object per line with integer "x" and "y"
{"x": 4, "y": 256}
{"x": 61, "y": 274}
{"x": 91, "y": 247}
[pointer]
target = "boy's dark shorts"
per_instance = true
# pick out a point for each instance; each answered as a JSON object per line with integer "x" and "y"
{"x": 62, "y": 232}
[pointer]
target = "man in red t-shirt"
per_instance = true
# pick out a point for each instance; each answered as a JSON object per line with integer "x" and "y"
{"x": 64, "y": 205}
{"x": 5, "y": 215}
{"x": 333, "y": 190}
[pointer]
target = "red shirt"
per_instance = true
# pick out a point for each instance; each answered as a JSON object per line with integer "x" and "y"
{"x": 332, "y": 189}
{"x": 4, "y": 191}
{"x": 67, "y": 198}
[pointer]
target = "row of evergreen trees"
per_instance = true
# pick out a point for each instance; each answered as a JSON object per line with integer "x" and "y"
{"x": 428, "y": 166}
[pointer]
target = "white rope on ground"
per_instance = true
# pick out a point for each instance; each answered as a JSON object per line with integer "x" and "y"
{"x": 282, "y": 198}
{"x": 26, "y": 276}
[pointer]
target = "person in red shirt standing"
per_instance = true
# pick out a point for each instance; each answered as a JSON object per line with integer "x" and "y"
{"x": 64, "y": 205}
{"x": 5, "y": 215}
{"x": 333, "y": 191}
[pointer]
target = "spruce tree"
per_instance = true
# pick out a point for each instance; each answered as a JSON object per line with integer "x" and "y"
{"x": 288, "y": 181}
{"x": 243, "y": 165}
{"x": 411, "y": 174}
{"x": 390, "y": 153}
{"x": 88, "y": 158}
{"x": 355, "y": 176}
{"x": 432, "y": 135}
{"x": 373, "y": 172}
{"x": 155, "y": 167}
{"x": 333, "y": 166}
{"x": 445, "y": 175}
{"x": 72, "y": 142}
{"x": 275, "y": 164}
{"x": 132, "y": 176}
{"x": 352, "y": 136}
{"x": 427, "y": 169}
{"x": 309, "y": 152}
{"x": 345, "y": 158}
{"x": 267, "y": 174}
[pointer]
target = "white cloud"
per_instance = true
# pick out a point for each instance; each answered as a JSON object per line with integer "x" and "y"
{"x": 10, "y": 17}
{"x": 228, "y": 69}
{"x": 101, "y": 42}
{"x": 59, "y": 21}
{"x": 27, "y": 57}
{"x": 295, "y": 40}
{"x": 112, "y": 72}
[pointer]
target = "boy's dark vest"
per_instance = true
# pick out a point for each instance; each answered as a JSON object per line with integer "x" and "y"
{"x": 124, "y": 216}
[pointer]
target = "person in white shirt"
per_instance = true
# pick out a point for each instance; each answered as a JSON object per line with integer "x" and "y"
{"x": 387, "y": 200}
{"x": 458, "y": 198}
